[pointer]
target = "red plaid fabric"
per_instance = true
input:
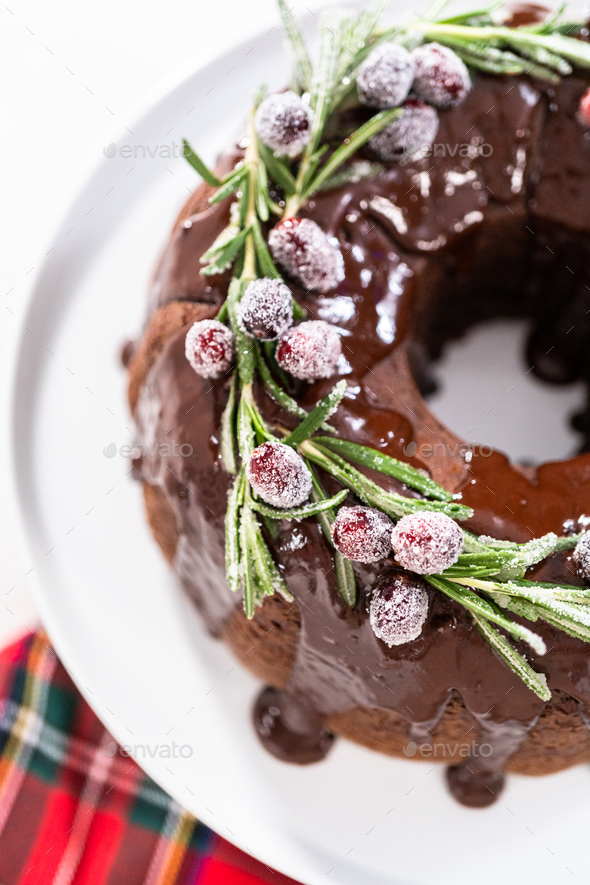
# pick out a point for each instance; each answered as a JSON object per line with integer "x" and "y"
{"x": 73, "y": 814}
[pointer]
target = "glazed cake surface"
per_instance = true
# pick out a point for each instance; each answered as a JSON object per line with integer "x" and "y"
{"x": 431, "y": 247}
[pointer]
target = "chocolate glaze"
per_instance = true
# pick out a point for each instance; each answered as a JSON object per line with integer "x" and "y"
{"x": 449, "y": 241}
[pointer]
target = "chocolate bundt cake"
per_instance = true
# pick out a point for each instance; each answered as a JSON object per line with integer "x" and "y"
{"x": 398, "y": 252}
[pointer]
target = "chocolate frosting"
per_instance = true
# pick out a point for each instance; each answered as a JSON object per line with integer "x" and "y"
{"x": 431, "y": 246}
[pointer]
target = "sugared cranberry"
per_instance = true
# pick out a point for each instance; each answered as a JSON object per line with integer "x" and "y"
{"x": 266, "y": 310}
{"x": 386, "y": 76}
{"x": 413, "y": 131}
{"x": 427, "y": 542}
{"x": 309, "y": 351}
{"x": 581, "y": 556}
{"x": 279, "y": 475}
{"x": 283, "y": 122}
{"x": 304, "y": 251}
{"x": 209, "y": 348}
{"x": 584, "y": 109}
{"x": 362, "y": 534}
{"x": 440, "y": 77}
{"x": 398, "y": 609}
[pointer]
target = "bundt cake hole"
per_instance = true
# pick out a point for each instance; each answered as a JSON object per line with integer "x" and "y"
{"x": 509, "y": 319}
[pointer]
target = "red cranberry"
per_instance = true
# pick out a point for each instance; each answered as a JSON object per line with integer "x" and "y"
{"x": 413, "y": 131}
{"x": 581, "y": 556}
{"x": 427, "y": 542}
{"x": 584, "y": 109}
{"x": 266, "y": 310}
{"x": 386, "y": 76}
{"x": 362, "y": 534}
{"x": 440, "y": 76}
{"x": 283, "y": 122}
{"x": 309, "y": 351}
{"x": 279, "y": 475}
{"x": 304, "y": 251}
{"x": 209, "y": 348}
{"x": 398, "y": 609}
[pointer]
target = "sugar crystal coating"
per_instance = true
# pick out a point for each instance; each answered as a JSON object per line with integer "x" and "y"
{"x": 386, "y": 76}
{"x": 413, "y": 131}
{"x": 209, "y": 348}
{"x": 581, "y": 556}
{"x": 398, "y": 609}
{"x": 309, "y": 351}
{"x": 427, "y": 542}
{"x": 304, "y": 251}
{"x": 279, "y": 475}
{"x": 362, "y": 534}
{"x": 283, "y": 122}
{"x": 266, "y": 310}
{"x": 440, "y": 77}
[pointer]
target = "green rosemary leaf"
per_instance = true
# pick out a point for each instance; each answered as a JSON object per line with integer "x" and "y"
{"x": 248, "y": 566}
{"x": 277, "y": 169}
{"x": 262, "y": 194}
{"x": 578, "y": 631}
{"x": 244, "y": 201}
{"x": 478, "y": 17}
{"x": 352, "y": 174}
{"x": 323, "y": 77}
{"x": 372, "y": 494}
{"x": 487, "y": 58}
{"x": 228, "y": 450}
{"x": 223, "y": 256}
{"x": 517, "y": 663}
{"x": 484, "y": 609}
{"x": 535, "y": 591}
{"x": 277, "y": 393}
{"x": 245, "y": 346}
{"x": 343, "y": 567}
{"x": 267, "y": 265}
{"x": 302, "y": 67}
{"x": 544, "y": 57}
{"x": 274, "y": 583}
{"x": 260, "y": 426}
{"x": 326, "y": 407}
{"x": 231, "y": 185}
{"x": 506, "y": 562}
{"x": 245, "y": 430}
{"x": 198, "y": 165}
{"x": 222, "y": 313}
{"x": 232, "y": 531}
{"x": 299, "y": 513}
{"x": 351, "y": 146}
{"x": 399, "y": 470}
{"x": 314, "y": 162}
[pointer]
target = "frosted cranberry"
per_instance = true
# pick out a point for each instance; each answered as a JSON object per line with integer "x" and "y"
{"x": 386, "y": 76}
{"x": 398, "y": 609}
{"x": 266, "y": 310}
{"x": 413, "y": 131}
{"x": 279, "y": 475}
{"x": 581, "y": 556}
{"x": 584, "y": 109}
{"x": 362, "y": 534}
{"x": 209, "y": 348}
{"x": 304, "y": 251}
{"x": 440, "y": 77}
{"x": 427, "y": 542}
{"x": 309, "y": 351}
{"x": 283, "y": 122}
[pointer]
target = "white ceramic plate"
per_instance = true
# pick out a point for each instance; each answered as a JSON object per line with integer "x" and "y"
{"x": 135, "y": 647}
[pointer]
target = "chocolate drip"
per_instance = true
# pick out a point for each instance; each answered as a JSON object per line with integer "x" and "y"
{"x": 431, "y": 247}
{"x": 290, "y": 728}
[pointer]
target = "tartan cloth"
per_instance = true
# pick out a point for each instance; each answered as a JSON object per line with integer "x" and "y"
{"x": 73, "y": 814}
